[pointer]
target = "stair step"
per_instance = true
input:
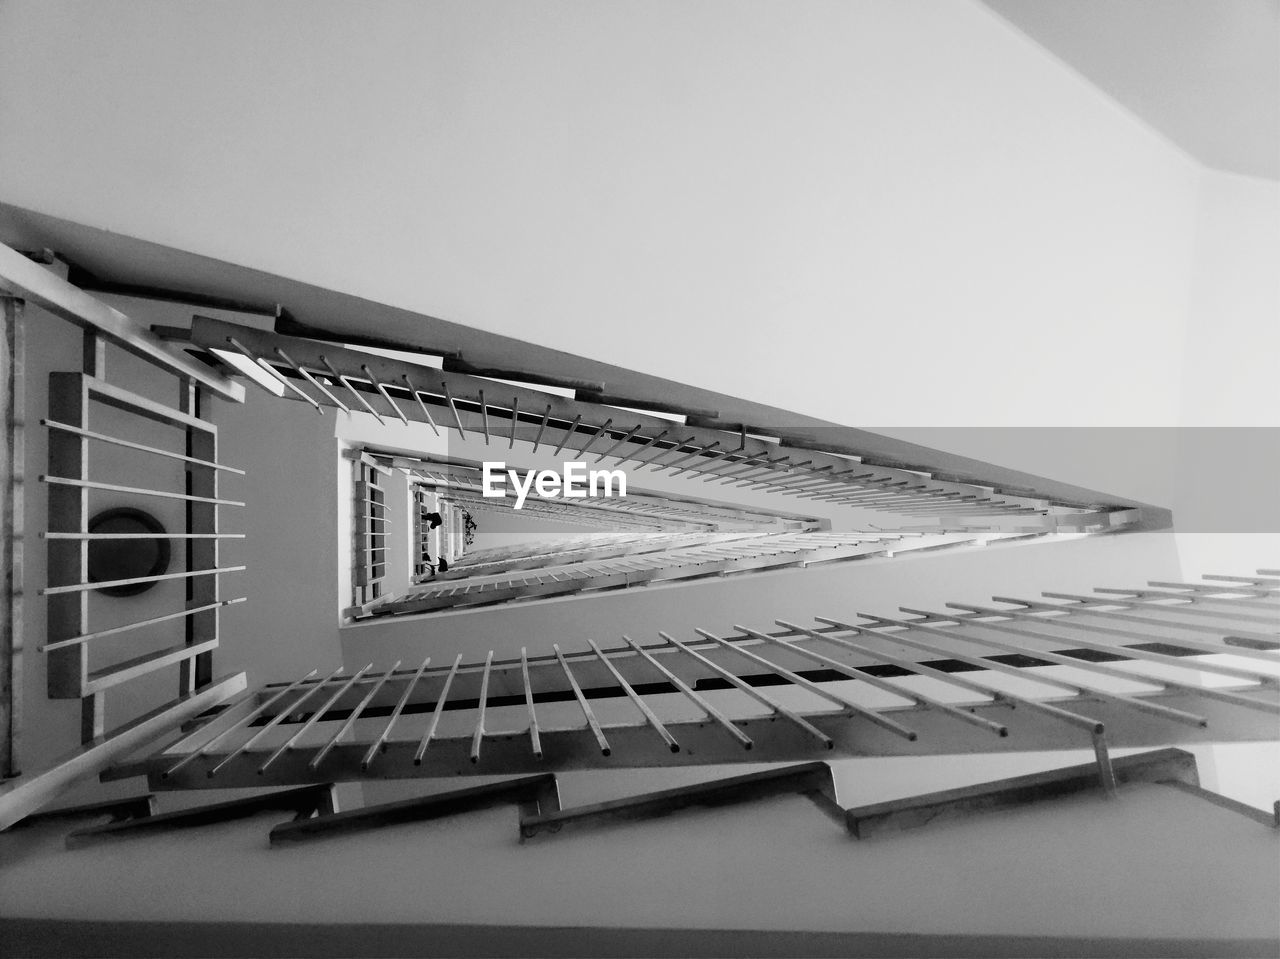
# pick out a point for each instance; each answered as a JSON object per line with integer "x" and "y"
{"x": 302, "y": 801}
{"x": 1162, "y": 765}
{"x": 134, "y": 807}
{"x": 538, "y": 792}
{"x": 803, "y": 778}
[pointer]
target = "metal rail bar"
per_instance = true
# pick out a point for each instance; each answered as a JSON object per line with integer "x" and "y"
{"x": 453, "y": 407}
{"x": 483, "y": 702}
{"x": 385, "y": 395}
{"x": 289, "y": 744}
{"x": 1089, "y": 725}
{"x": 435, "y": 717}
{"x": 619, "y": 443}
{"x": 116, "y": 441}
{"x": 137, "y": 491}
{"x": 84, "y": 587}
{"x": 596, "y": 435}
{"x": 312, "y": 380}
{"x": 1154, "y": 709}
{"x": 1127, "y": 651}
{"x": 377, "y": 744}
{"x": 1211, "y": 649}
{"x": 538, "y": 439}
{"x": 350, "y": 389}
{"x": 919, "y": 698}
{"x": 351, "y": 720}
{"x": 534, "y": 739}
{"x": 639, "y": 703}
{"x": 241, "y": 724}
{"x": 734, "y": 680}
{"x": 697, "y": 700}
{"x": 59, "y": 644}
{"x": 421, "y": 405}
{"x": 275, "y": 720}
{"x": 582, "y": 702}
{"x": 567, "y": 434}
{"x": 884, "y": 722}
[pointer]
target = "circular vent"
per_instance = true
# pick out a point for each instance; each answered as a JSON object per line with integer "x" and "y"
{"x": 112, "y": 559}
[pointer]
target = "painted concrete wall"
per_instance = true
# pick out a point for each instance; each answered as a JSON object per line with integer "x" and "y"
{"x": 843, "y": 191}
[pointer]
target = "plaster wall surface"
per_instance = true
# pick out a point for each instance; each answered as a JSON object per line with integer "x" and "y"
{"x": 843, "y": 190}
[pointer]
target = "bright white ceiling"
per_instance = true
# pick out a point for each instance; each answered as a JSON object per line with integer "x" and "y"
{"x": 1205, "y": 73}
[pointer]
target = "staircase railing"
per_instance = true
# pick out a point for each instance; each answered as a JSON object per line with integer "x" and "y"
{"x": 75, "y": 440}
{"x": 326, "y": 374}
{"x": 865, "y": 685}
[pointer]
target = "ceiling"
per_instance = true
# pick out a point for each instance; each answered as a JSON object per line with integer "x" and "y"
{"x": 1205, "y": 73}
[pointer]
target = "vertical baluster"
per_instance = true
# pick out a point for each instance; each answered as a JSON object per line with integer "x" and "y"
{"x": 693, "y": 697}
{"x": 691, "y": 456}
{"x": 754, "y": 693}
{"x": 312, "y": 380}
{"x": 453, "y": 407}
{"x": 377, "y": 384}
{"x": 421, "y": 405}
{"x": 538, "y": 439}
{"x": 882, "y": 721}
{"x": 484, "y": 700}
{"x": 644, "y": 446}
{"x": 582, "y": 701}
{"x": 272, "y": 371}
{"x": 290, "y": 744}
{"x": 595, "y": 436}
{"x": 1078, "y": 689}
{"x": 648, "y": 714}
{"x": 351, "y": 720}
{"x": 919, "y": 698}
{"x": 377, "y": 744}
{"x": 534, "y": 738}
{"x": 1082, "y": 722}
{"x": 619, "y": 443}
{"x": 242, "y": 724}
{"x": 275, "y": 721}
{"x": 351, "y": 389}
{"x": 568, "y": 434}
{"x": 435, "y": 717}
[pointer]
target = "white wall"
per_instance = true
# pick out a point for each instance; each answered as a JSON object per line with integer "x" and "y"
{"x": 846, "y": 192}
{"x": 1226, "y": 504}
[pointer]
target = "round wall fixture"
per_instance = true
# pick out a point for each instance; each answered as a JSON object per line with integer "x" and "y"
{"x": 112, "y": 559}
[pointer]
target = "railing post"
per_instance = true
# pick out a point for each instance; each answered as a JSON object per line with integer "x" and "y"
{"x": 201, "y": 553}
{"x": 68, "y": 513}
